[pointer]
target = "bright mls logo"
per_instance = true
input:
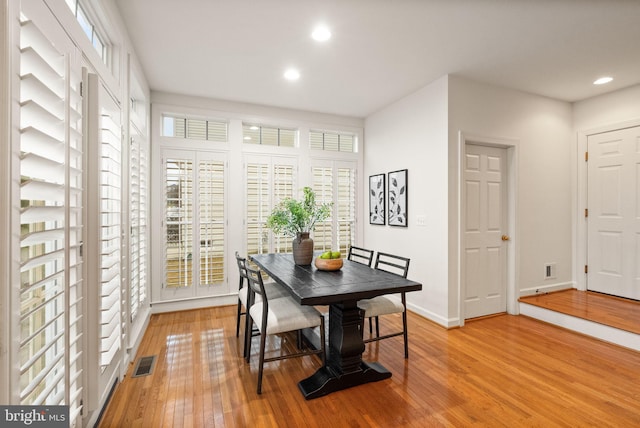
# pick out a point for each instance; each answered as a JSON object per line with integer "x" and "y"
{"x": 34, "y": 416}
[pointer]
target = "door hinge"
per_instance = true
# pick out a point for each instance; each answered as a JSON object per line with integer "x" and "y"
{"x": 586, "y": 268}
{"x": 586, "y": 212}
{"x": 586, "y": 156}
{"x": 81, "y": 89}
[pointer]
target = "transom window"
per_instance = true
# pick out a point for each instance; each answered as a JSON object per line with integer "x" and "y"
{"x": 332, "y": 141}
{"x": 195, "y": 129}
{"x": 268, "y": 136}
{"x": 89, "y": 28}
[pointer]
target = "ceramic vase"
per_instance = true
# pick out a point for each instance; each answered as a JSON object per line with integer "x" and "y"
{"x": 302, "y": 249}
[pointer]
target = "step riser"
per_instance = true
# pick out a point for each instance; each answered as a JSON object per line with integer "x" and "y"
{"x": 586, "y": 327}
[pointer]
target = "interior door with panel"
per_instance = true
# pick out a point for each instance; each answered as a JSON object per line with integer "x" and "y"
{"x": 484, "y": 273}
{"x": 613, "y": 223}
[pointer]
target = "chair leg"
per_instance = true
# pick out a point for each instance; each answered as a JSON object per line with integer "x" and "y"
{"x": 404, "y": 326}
{"x": 370, "y": 327}
{"x": 238, "y": 318}
{"x": 248, "y": 334}
{"x": 377, "y": 327}
{"x": 263, "y": 339}
{"x": 322, "y": 341}
{"x": 406, "y": 336}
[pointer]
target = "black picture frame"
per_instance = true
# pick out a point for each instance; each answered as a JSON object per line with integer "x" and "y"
{"x": 397, "y": 211}
{"x": 377, "y": 199}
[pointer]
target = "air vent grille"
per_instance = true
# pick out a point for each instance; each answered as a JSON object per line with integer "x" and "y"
{"x": 144, "y": 366}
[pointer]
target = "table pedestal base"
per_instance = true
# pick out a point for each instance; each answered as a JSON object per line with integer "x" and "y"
{"x": 324, "y": 381}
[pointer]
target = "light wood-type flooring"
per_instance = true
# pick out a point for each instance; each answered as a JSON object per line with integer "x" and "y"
{"x": 502, "y": 371}
{"x": 623, "y": 314}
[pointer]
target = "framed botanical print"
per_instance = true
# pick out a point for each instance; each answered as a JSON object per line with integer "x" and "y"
{"x": 376, "y": 199}
{"x": 397, "y": 195}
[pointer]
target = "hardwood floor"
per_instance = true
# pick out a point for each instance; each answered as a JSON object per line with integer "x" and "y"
{"x": 501, "y": 371}
{"x": 617, "y": 312}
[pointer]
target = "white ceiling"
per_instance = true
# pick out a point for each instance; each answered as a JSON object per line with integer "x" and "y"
{"x": 381, "y": 50}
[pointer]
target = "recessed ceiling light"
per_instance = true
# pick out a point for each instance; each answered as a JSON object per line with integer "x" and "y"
{"x": 321, "y": 34}
{"x": 292, "y": 74}
{"x": 603, "y": 80}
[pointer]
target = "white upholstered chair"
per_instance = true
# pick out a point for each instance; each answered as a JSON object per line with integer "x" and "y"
{"x": 273, "y": 290}
{"x": 280, "y": 315}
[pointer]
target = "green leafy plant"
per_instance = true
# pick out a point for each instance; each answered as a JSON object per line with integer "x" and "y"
{"x": 292, "y": 216}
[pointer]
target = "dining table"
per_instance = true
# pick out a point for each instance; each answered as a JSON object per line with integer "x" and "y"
{"x": 340, "y": 290}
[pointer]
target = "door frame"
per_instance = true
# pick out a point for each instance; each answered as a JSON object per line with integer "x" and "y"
{"x": 511, "y": 176}
{"x": 581, "y": 203}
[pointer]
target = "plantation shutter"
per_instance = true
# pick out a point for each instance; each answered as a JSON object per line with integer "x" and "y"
{"x": 51, "y": 169}
{"x": 335, "y": 182}
{"x": 346, "y": 208}
{"x": 178, "y": 222}
{"x": 323, "y": 186}
{"x": 138, "y": 206}
{"x": 211, "y": 221}
{"x": 195, "y": 219}
{"x": 269, "y": 180}
{"x": 110, "y": 228}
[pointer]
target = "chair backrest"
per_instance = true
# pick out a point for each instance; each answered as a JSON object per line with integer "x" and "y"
{"x": 360, "y": 255}
{"x": 393, "y": 264}
{"x": 256, "y": 285}
{"x": 242, "y": 269}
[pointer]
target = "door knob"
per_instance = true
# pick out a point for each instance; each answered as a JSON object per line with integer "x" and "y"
{"x": 505, "y": 237}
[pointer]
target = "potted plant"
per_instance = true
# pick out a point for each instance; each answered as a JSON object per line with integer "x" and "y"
{"x": 296, "y": 218}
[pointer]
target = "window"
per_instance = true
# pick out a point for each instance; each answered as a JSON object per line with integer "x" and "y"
{"x": 110, "y": 208}
{"x": 88, "y": 28}
{"x": 268, "y": 136}
{"x": 332, "y": 141}
{"x": 50, "y": 320}
{"x": 194, "y": 129}
{"x": 269, "y": 180}
{"x": 194, "y": 221}
{"x": 138, "y": 218}
{"x": 335, "y": 182}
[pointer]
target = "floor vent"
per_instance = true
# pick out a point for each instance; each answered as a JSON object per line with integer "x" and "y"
{"x": 144, "y": 366}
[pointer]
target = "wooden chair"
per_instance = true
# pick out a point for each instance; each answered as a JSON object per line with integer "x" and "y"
{"x": 387, "y": 304}
{"x": 280, "y": 315}
{"x": 273, "y": 290}
{"x": 360, "y": 255}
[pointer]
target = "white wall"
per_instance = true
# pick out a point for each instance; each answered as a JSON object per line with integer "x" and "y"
{"x": 607, "y": 110}
{"x": 421, "y": 131}
{"x": 539, "y": 129}
{"x": 412, "y": 134}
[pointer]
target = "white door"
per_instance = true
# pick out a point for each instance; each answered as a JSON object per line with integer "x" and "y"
{"x": 614, "y": 213}
{"x": 484, "y": 271}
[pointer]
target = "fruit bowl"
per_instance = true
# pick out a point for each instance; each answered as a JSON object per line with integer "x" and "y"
{"x": 328, "y": 264}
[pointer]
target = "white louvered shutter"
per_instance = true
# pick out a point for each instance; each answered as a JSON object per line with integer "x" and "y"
{"x": 194, "y": 220}
{"x": 178, "y": 222}
{"x": 211, "y": 201}
{"x": 346, "y": 207}
{"x": 269, "y": 180}
{"x": 51, "y": 175}
{"x": 335, "y": 182}
{"x": 138, "y": 218}
{"x": 110, "y": 168}
{"x": 323, "y": 186}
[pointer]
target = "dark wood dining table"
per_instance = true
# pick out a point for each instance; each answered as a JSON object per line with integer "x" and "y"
{"x": 341, "y": 290}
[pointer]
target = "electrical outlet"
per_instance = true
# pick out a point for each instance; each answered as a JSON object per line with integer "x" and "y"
{"x": 421, "y": 220}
